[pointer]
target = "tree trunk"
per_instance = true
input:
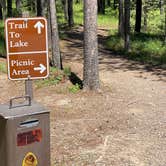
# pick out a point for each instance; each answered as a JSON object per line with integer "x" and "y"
{"x": 121, "y": 19}
{"x": 91, "y": 71}
{"x": 165, "y": 21}
{"x": 65, "y": 9}
{"x": 127, "y": 25}
{"x": 101, "y": 6}
{"x": 161, "y": 7}
{"x": 18, "y": 7}
{"x": 1, "y": 13}
{"x": 18, "y": 4}
{"x": 115, "y": 5}
{"x": 49, "y": 29}
{"x": 9, "y": 8}
{"x": 138, "y": 15}
{"x": 3, "y": 6}
{"x": 40, "y": 7}
{"x": 70, "y": 13}
{"x": 56, "y": 56}
{"x": 108, "y": 3}
{"x": 145, "y": 10}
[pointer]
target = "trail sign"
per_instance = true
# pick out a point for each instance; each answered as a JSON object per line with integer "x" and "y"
{"x": 27, "y": 48}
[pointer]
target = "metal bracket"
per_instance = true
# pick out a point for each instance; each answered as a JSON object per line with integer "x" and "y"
{"x": 20, "y": 105}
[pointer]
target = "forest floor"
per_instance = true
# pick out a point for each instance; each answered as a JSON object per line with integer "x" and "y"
{"x": 123, "y": 125}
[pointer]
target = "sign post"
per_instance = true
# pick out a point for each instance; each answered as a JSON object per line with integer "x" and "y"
{"x": 27, "y": 48}
{"x": 27, "y": 57}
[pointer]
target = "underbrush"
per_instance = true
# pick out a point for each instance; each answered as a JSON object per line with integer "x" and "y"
{"x": 58, "y": 77}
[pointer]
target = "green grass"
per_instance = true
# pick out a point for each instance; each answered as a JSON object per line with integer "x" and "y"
{"x": 78, "y": 14}
{"x": 155, "y": 22}
{"x": 107, "y": 20}
{"x": 56, "y": 76}
{"x": 147, "y": 48}
{"x": 74, "y": 88}
{"x": 3, "y": 68}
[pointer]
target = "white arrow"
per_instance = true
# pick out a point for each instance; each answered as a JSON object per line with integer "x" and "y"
{"x": 39, "y": 25}
{"x": 42, "y": 68}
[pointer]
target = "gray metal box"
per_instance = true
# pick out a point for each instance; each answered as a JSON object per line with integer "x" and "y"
{"x": 25, "y": 136}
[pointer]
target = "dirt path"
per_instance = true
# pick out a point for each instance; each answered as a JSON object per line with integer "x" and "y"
{"x": 124, "y": 125}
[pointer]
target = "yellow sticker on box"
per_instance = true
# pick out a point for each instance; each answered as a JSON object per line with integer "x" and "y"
{"x": 30, "y": 160}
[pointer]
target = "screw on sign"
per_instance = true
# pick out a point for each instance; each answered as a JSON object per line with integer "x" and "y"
{"x": 27, "y": 48}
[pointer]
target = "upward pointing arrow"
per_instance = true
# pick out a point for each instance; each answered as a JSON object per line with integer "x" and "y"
{"x": 39, "y": 25}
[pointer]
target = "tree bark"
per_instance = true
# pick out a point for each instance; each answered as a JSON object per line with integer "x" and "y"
{"x": 70, "y": 13}
{"x": 1, "y": 13}
{"x": 127, "y": 25}
{"x": 56, "y": 56}
{"x": 121, "y": 19}
{"x": 65, "y": 9}
{"x": 161, "y": 7}
{"x": 145, "y": 11}
{"x": 49, "y": 29}
{"x": 165, "y": 21}
{"x": 108, "y": 3}
{"x": 138, "y": 16}
{"x": 18, "y": 4}
{"x": 91, "y": 71}
{"x": 101, "y": 6}
{"x": 18, "y": 7}
{"x": 40, "y": 7}
{"x": 9, "y": 8}
{"x": 114, "y": 4}
{"x": 3, "y": 4}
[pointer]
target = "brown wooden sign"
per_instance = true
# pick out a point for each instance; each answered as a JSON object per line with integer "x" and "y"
{"x": 27, "y": 48}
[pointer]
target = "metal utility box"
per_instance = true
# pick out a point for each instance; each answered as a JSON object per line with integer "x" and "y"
{"x": 25, "y": 136}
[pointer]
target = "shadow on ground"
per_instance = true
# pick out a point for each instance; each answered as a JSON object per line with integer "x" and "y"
{"x": 108, "y": 60}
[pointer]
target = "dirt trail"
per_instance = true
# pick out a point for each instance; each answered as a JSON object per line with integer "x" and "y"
{"x": 124, "y": 125}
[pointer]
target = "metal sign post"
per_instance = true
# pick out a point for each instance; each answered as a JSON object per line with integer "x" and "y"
{"x": 29, "y": 88}
{"x": 27, "y": 50}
